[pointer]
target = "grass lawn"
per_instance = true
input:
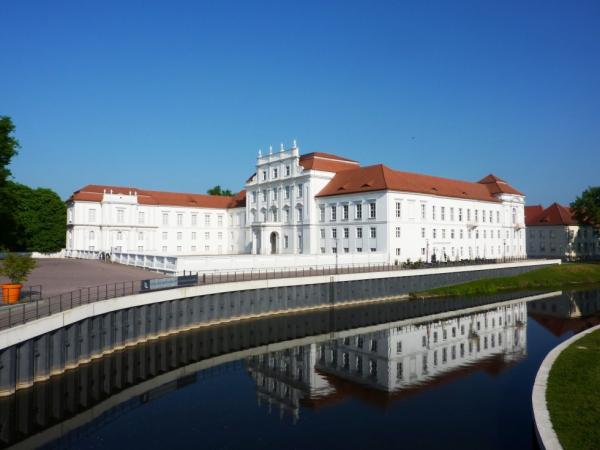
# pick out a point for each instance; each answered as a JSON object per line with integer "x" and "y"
{"x": 573, "y": 394}
{"x": 567, "y": 275}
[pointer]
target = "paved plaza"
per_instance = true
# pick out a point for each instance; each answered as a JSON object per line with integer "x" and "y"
{"x": 57, "y": 276}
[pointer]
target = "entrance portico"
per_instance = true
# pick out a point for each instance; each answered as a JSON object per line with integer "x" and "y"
{"x": 266, "y": 239}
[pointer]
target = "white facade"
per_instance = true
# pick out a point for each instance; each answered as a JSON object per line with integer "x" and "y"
{"x": 563, "y": 241}
{"x": 119, "y": 223}
{"x": 284, "y": 214}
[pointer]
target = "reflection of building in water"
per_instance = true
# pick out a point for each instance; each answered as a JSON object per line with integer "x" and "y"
{"x": 571, "y": 311}
{"x": 390, "y": 360}
{"x": 285, "y": 377}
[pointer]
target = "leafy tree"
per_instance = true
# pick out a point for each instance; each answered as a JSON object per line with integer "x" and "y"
{"x": 9, "y": 147}
{"x": 218, "y": 191}
{"x": 586, "y": 207}
{"x": 40, "y": 219}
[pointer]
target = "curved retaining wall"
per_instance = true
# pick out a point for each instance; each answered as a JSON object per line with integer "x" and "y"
{"x": 39, "y": 349}
{"x": 547, "y": 438}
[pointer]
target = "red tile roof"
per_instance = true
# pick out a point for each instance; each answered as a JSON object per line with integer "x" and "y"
{"x": 326, "y": 162}
{"x": 554, "y": 214}
{"x": 381, "y": 178}
{"x": 531, "y": 212}
{"x": 94, "y": 193}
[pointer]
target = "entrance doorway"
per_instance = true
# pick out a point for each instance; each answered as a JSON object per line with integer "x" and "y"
{"x": 273, "y": 240}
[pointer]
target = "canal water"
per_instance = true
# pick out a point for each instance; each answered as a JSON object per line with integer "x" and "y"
{"x": 357, "y": 378}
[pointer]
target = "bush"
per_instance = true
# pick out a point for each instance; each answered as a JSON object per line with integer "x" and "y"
{"x": 17, "y": 267}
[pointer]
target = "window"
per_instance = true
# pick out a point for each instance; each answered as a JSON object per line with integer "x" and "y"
{"x": 322, "y": 233}
{"x": 334, "y": 233}
{"x": 398, "y": 210}
{"x": 164, "y": 236}
{"x": 373, "y": 345}
{"x": 179, "y": 235}
{"x": 275, "y": 172}
{"x": 372, "y": 210}
{"x": 264, "y": 195}
{"x": 193, "y": 235}
{"x": 452, "y": 214}
{"x": 443, "y": 233}
{"x": 220, "y": 219}
{"x": 253, "y": 196}
{"x": 358, "y": 249}
{"x": 373, "y": 233}
{"x": 193, "y": 248}
{"x": 423, "y": 232}
{"x": 451, "y": 234}
{"x": 92, "y": 235}
{"x": 397, "y": 232}
{"x": 424, "y": 341}
{"x": 300, "y": 189}
{"x": 164, "y": 249}
{"x": 373, "y": 249}
{"x": 322, "y": 249}
{"x": 344, "y": 212}
{"x": 286, "y": 194}
{"x": 264, "y": 175}
{"x": 119, "y": 236}
{"x": 322, "y": 213}
{"x": 141, "y": 236}
{"x": 359, "y": 233}
{"x": 120, "y": 215}
{"x": 434, "y": 233}
{"x": 286, "y": 241}
{"x": 286, "y": 215}
{"x": 346, "y": 250}
{"x": 179, "y": 248}
{"x": 180, "y": 219}
{"x": 195, "y": 218}
{"x": 91, "y": 215}
{"x": 399, "y": 372}
{"x": 207, "y": 235}
{"x": 207, "y": 220}
{"x": 432, "y": 212}
{"x": 476, "y": 212}
{"x": 358, "y": 211}
{"x": 346, "y": 233}
{"x": 460, "y": 214}
{"x": 140, "y": 248}
{"x": 399, "y": 347}
{"x": 468, "y": 215}
{"x": 423, "y": 213}
{"x": 220, "y": 235}
{"x": 333, "y": 249}
{"x": 287, "y": 171}
{"x": 461, "y": 234}
{"x": 299, "y": 214}
{"x": 397, "y": 252}
{"x": 443, "y": 213}
{"x": 275, "y": 194}
{"x": 333, "y": 213}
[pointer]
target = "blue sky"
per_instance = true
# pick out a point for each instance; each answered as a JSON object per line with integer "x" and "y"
{"x": 180, "y": 95}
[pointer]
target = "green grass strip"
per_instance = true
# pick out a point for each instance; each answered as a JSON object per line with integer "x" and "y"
{"x": 561, "y": 276}
{"x": 573, "y": 394}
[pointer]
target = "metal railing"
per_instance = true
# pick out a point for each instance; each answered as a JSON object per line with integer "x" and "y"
{"x": 34, "y": 307}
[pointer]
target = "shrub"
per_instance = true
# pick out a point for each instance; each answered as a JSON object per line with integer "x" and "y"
{"x": 17, "y": 267}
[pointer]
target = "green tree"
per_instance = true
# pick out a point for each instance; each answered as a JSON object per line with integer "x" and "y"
{"x": 586, "y": 207}
{"x": 40, "y": 219}
{"x": 218, "y": 191}
{"x": 9, "y": 147}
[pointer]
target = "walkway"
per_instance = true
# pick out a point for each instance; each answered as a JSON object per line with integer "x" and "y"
{"x": 58, "y": 276}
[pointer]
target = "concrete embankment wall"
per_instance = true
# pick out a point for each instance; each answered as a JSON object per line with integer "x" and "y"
{"x": 39, "y": 349}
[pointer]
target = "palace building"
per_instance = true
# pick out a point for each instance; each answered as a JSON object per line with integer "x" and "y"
{"x": 310, "y": 204}
{"x": 554, "y": 232}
